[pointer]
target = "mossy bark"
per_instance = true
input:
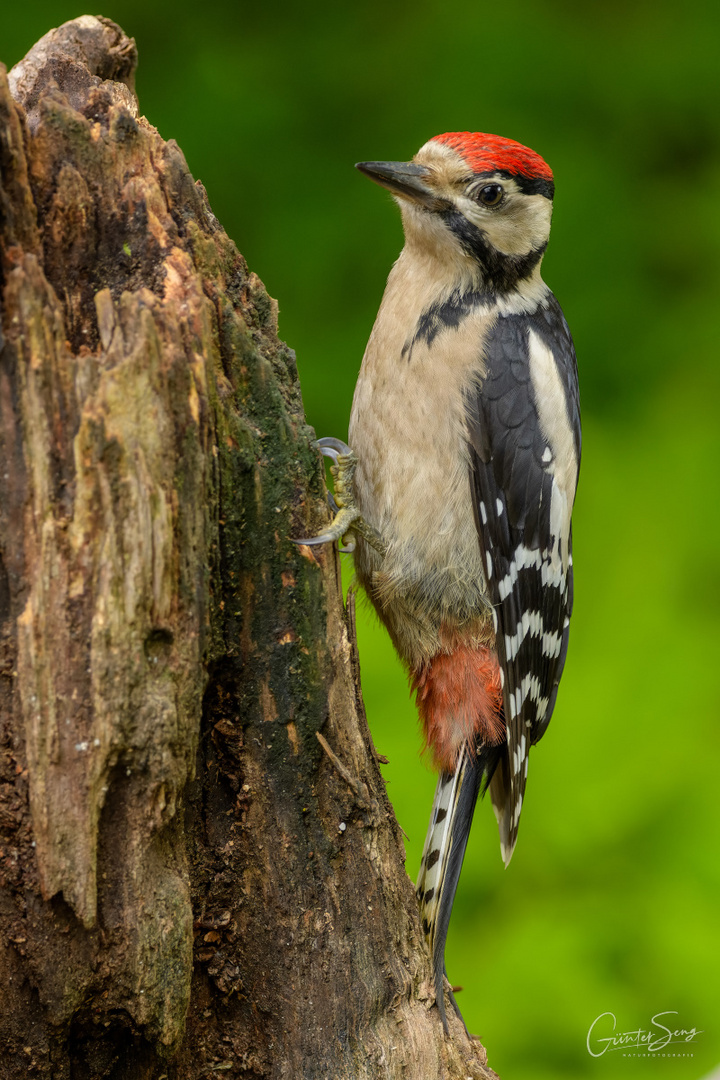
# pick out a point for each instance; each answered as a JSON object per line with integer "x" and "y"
{"x": 191, "y": 882}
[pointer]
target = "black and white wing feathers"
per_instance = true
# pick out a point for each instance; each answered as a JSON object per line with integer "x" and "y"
{"x": 524, "y": 432}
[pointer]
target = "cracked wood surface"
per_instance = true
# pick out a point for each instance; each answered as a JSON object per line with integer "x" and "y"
{"x": 176, "y": 894}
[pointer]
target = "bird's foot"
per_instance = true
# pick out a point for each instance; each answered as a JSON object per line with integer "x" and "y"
{"x": 347, "y": 515}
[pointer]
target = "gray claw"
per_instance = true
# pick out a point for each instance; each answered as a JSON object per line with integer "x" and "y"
{"x": 333, "y": 448}
{"x": 347, "y": 516}
{"x": 324, "y": 538}
{"x": 338, "y": 527}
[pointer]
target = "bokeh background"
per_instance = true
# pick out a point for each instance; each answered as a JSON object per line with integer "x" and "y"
{"x": 611, "y": 901}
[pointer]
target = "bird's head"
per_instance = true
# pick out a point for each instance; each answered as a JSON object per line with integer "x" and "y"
{"x": 474, "y": 199}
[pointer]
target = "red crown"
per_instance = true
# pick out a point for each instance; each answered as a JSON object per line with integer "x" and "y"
{"x": 492, "y": 153}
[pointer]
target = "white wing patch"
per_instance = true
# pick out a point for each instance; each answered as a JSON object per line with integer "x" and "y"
{"x": 555, "y": 424}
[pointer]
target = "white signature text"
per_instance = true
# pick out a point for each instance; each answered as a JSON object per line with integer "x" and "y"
{"x": 603, "y": 1035}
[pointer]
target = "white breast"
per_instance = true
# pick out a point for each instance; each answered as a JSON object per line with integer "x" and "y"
{"x": 408, "y": 430}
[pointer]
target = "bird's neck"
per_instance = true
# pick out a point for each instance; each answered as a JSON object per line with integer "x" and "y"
{"x": 422, "y": 277}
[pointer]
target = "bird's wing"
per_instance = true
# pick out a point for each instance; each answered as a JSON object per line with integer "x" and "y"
{"x": 524, "y": 432}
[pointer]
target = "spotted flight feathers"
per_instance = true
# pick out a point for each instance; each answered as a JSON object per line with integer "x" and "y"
{"x": 524, "y": 427}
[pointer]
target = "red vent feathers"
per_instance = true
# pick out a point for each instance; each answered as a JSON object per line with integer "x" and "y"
{"x": 492, "y": 153}
{"x": 459, "y": 698}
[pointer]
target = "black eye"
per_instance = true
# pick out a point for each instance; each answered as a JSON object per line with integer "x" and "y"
{"x": 490, "y": 195}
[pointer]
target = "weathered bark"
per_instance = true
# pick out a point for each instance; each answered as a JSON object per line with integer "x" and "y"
{"x": 191, "y": 882}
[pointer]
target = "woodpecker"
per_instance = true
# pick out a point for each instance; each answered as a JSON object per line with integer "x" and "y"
{"x": 460, "y": 484}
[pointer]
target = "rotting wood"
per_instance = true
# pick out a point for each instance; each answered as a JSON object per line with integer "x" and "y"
{"x": 176, "y": 895}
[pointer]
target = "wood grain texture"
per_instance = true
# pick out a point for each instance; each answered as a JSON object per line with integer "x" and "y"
{"x": 177, "y": 895}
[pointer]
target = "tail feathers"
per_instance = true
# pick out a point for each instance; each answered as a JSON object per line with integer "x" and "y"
{"x": 452, "y": 813}
{"x": 506, "y": 792}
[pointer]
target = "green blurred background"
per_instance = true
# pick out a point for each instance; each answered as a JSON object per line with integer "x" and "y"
{"x": 611, "y": 901}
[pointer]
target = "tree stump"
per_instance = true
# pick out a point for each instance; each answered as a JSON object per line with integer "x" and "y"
{"x": 200, "y": 872}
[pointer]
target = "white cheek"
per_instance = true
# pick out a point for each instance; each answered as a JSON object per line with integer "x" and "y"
{"x": 427, "y": 236}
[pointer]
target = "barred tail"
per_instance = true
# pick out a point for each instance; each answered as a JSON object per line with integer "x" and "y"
{"x": 452, "y": 813}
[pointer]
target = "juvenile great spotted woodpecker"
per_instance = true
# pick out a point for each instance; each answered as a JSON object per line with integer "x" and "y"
{"x": 465, "y": 436}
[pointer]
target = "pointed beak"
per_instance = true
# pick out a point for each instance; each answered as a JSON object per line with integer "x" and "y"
{"x": 403, "y": 178}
